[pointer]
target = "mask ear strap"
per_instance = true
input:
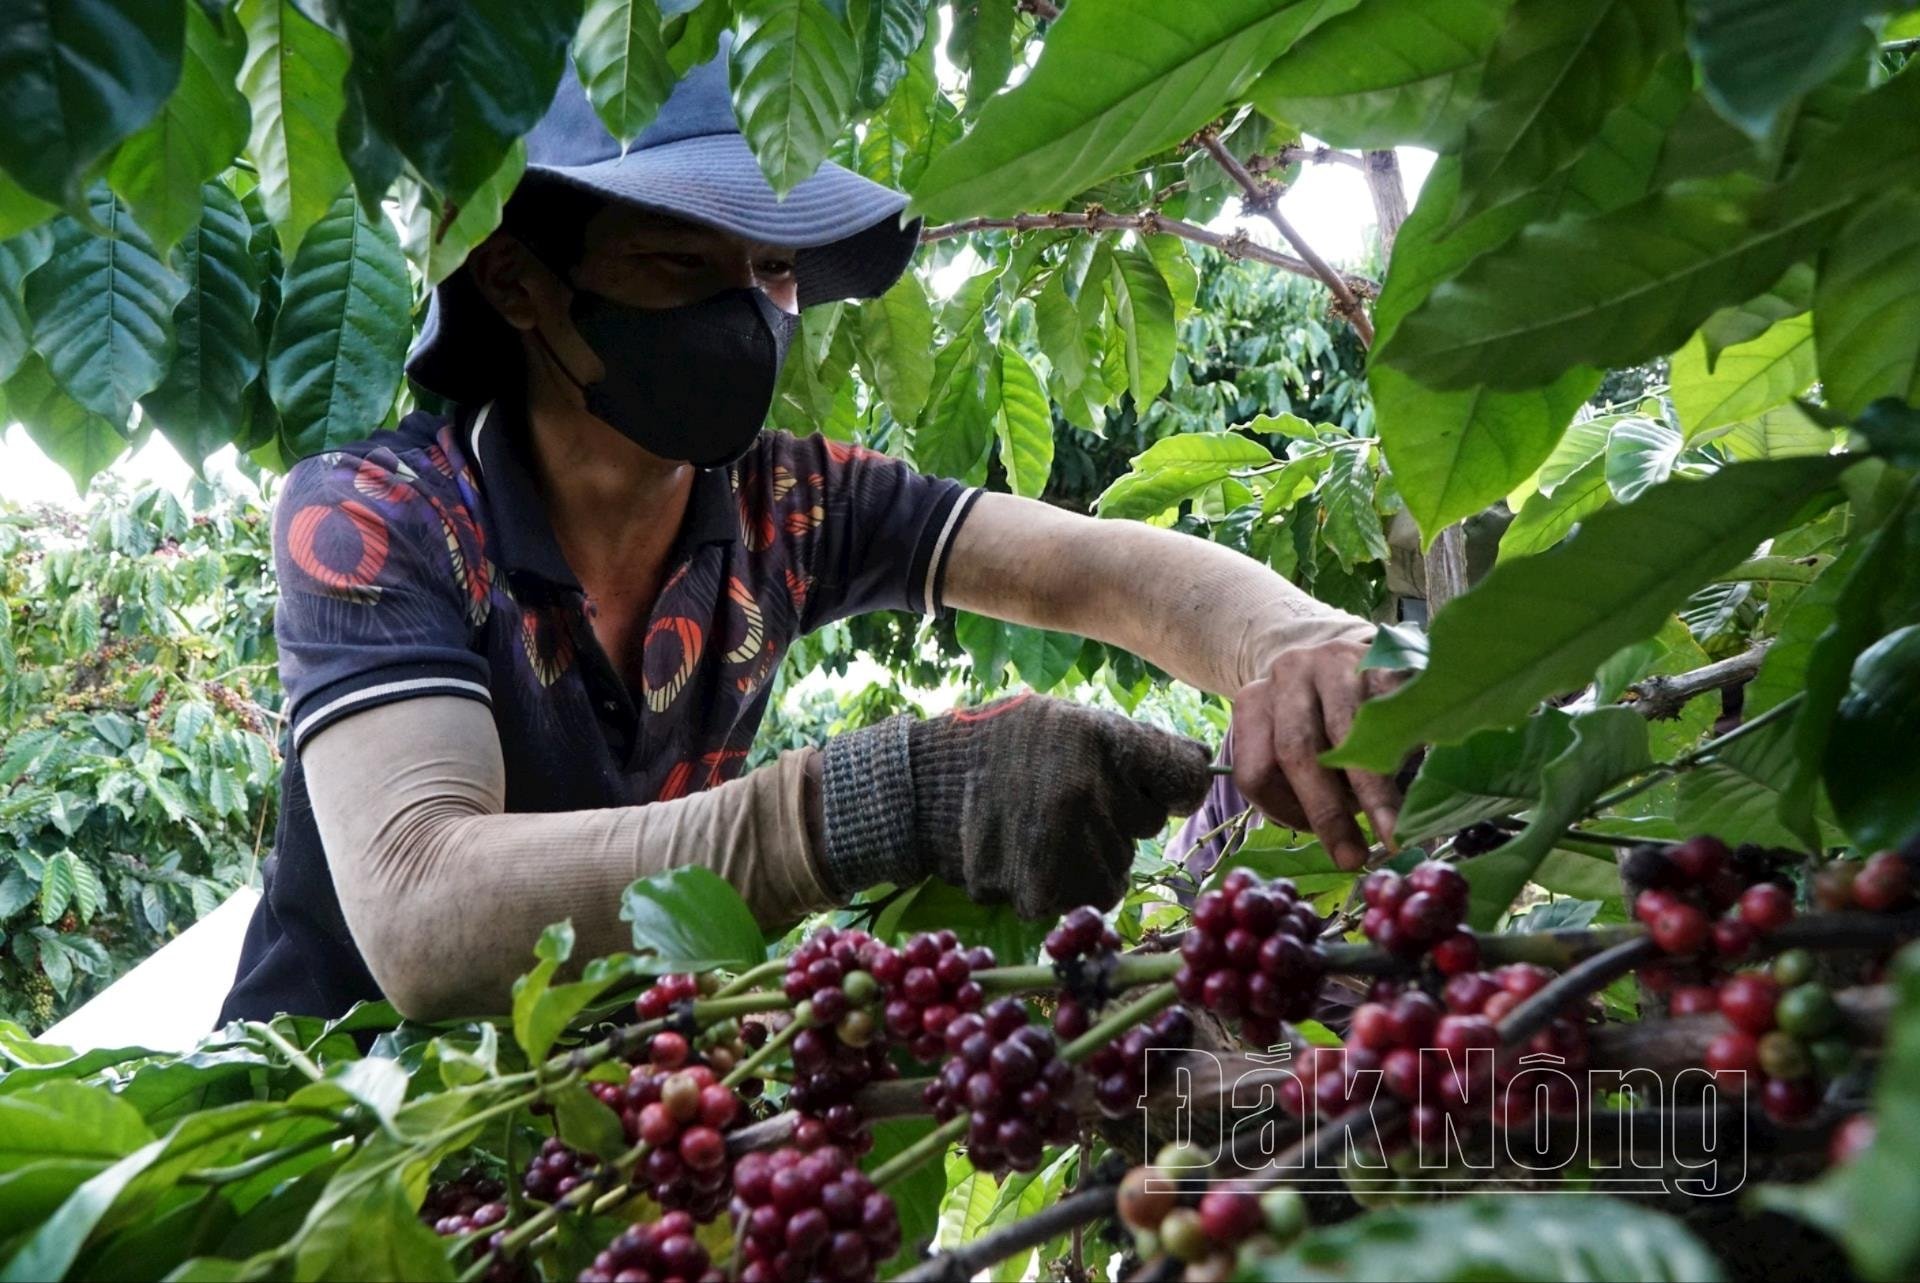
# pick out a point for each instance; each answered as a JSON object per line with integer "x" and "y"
{"x": 554, "y": 356}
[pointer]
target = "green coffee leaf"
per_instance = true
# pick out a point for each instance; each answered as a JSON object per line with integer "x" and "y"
{"x": 1736, "y": 793}
{"x": 101, "y": 307}
{"x": 451, "y": 84}
{"x": 1756, "y": 57}
{"x": 1143, "y": 308}
{"x": 1387, "y": 73}
{"x": 893, "y": 30}
{"x": 1640, "y": 453}
{"x": 1872, "y": 776}
{"x": 897, "y": 329}
{"x": 74, "y": 437}
{"x": 1609, "y": 746}
{"x": 1545, "y": 519}
{"x": 792, "y": 69}
{"x": 292, "y": 78}
{"x": 1541, "y": 625}
{"x": 1023, "y": 424}
{"x": 1178, "y": 467}
{"x": 201, "y": 404}
{"x": 159, "y": 170}
{"x": 338, "y": 342}
{"x": 1101, "y": 97}
{"x": 1739, "y": 323}
{"x": 621, "y": 57}
{"x": 1555, "y": 73}
{"x": 1747, "y": 379}
{"x": 81, "y": 75}
{"x": 1489, "y": 774}
{"x": 1866, "y": 317}
{"x": 690, "y": 919}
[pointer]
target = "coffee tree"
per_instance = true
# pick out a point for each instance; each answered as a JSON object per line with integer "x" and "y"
{"x": 1662, "y": 814}
{"x": 137, "y": 731}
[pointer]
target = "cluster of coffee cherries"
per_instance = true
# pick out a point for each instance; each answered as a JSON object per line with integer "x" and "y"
{"x": 1082, "y": 947}
{"x": 720, "y": 1046}
{"x": 1882, "y": 883}
{"x": 1407, "y": 916}
{"x": 1119, "y": 1069}
{"x": 556, "y": 1171}
{"x": 929, "y": 982}
{"x": 810, "y": 1214}
{"x": 681, "y": 1111}
{"x": 1699, "y": 899}
{"x": 1785, "y": 1033}
{"x": 471, "y": 1201}
{"x": 1007, "y": 1077}
{"x": 831, "y": 980}
{"x": 1204, "y": 1237}
{"x": 653, "y": 1253}
{"x": 1253, "y": 951}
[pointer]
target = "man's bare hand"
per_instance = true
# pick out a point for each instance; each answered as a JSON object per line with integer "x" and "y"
{"x": 1283, "y": 721}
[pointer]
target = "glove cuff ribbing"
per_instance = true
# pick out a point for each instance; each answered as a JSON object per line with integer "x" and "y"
{"x": 866, "y": 793}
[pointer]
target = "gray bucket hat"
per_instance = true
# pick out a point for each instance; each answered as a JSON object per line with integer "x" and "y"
{"x": 691, "y": 163}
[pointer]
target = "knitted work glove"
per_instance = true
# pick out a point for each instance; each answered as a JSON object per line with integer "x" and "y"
{"x": 1030, "y": 800}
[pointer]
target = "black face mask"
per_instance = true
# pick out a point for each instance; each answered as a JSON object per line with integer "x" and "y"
{"x": 692, "y": 382}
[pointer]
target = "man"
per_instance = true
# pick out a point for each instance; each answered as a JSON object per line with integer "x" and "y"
{"x": 526, "y": 645}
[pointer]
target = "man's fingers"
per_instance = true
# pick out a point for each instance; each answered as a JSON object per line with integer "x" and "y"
{"x": 1377, "y": 794}
{"x": 1322, "y": 792}
{"x": 1256, "y": 768}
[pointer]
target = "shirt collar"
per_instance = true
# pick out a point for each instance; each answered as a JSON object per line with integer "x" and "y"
{"x": 523, "y": 536}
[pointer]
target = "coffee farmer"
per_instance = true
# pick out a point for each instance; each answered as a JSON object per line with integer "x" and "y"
{"x": 526, "y": 643}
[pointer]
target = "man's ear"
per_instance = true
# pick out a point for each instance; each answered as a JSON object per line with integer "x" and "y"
{"x": 515, "y": 283}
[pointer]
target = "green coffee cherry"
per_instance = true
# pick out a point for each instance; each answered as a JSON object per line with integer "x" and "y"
{"x": 1189, "y": 1155}
{"x": 1784, "y": 1056}
{"x": 1285, "y": 1213}
{"x": 860, "y": 988}
{"x": 1807, "y": 1011}
{"x": 1794, "y": 967}
{"x": 1181, "y": 1235}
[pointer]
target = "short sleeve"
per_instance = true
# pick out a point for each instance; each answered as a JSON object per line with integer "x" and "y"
{"x": 375, "y": 590}
{"x": 868, "y": 532}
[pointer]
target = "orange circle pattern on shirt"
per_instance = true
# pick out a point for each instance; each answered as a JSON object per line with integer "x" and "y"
{"x": 304, "y": 533}
{"x": 657, "y": 658}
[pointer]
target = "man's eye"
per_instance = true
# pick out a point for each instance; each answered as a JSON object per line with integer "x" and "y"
{"x": 686, "y": 262}
{"x": 775, "y": 267}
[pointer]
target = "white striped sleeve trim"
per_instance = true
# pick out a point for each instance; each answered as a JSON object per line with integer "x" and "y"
{"x": 941, "y": 547}
{"x": 385, "y": 690}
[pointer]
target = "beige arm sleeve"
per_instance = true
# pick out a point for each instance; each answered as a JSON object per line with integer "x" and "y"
{"x": 445, "y": 895}
{"x": 1208, "y": 615}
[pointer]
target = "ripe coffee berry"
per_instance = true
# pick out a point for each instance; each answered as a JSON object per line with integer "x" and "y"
{"x": 1680, "y": 928}
{"x": 1766, "y": 906}
{"x": 1253, "y": 952}
{"x": 1748, "y": 1001}
{"x": 1884, "y": 883}
{"x": 1456, "y": 953}
{"x": 1119, "y": 1069}
{"x": 681, "y": 1115}
{"x": 1478, "y": 839}
{"x": 1699, "y": 859}
{"x": 928, "y": 983}
{"x": 663, "y": 1249}
{"x": 810, "y": 1215}
{"x": 1229, "y": 1215}
{"x": 1005, "y": 1076}
{"x": 1081, "y": 933}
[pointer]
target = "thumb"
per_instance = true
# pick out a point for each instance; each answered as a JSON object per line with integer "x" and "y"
{"x": 1171, "y": 769}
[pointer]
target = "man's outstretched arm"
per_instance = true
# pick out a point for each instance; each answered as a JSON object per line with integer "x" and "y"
{"x": 1211, "y": 617}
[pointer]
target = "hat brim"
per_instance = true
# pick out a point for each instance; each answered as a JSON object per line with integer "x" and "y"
{"x": 847, "y": 230}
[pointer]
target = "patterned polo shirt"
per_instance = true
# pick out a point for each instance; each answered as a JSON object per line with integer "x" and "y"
{"x": 421, "y": 562}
